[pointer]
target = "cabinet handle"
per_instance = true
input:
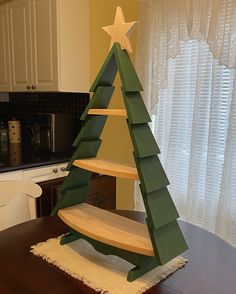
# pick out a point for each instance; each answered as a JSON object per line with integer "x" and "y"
{"x": 55, "y": 170}
{"x": 63, "y": 168}
{"x": 33, "y": 87}
{"x": 28, "y": 87}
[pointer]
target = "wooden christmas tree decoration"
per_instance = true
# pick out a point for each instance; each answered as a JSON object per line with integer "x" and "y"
{"x": 145, "y": 246}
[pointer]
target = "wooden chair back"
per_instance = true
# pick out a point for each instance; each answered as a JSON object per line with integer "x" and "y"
{"x": 17, "y": 202}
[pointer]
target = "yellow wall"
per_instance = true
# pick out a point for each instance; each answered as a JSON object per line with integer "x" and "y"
{"x": 116, "y": 142}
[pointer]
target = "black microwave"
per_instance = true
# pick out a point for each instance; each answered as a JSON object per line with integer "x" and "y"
{"x": 52, "y": 132}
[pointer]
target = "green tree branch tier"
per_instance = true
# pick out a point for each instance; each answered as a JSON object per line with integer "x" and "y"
{"x": 161, "y": 235}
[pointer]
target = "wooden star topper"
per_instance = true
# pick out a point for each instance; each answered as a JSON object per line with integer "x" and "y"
{"x": 120, "y": 30}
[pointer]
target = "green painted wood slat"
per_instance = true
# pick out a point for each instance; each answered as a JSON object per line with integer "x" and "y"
{"x": 77, "y": 177}
{"x": 151, "y": 174}
{"x": 72, "y": 197}
{"x": 85, "y": 149}
{"x": 100, "y": 99}
{"x": 159, "y": 207}
{"x": 135, "y": 107}
{"x": 168, "y": 241}
{"x": 129, "y": 79}
{"x": 91, "y": 130}
{"x": 143, "y": 140}
{"x": 117, "y": 59}
{"x": 107, "y": 73}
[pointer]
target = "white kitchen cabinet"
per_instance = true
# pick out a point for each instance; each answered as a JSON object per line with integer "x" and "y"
{"x": 45, "y": 173}
{"x": 41, "y": 174}
{"x": 44, "y": 45}
{"x": 23, "y": 208}
{"x": 14, "y": 175}
{"x": 37, "y": 174}
{"x": 49, "y": 45}
{"x": 4, "y": 51}
{"x": 20, "y": 39}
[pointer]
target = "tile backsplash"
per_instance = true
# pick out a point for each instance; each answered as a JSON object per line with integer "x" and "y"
{"x": 23, "y": 106}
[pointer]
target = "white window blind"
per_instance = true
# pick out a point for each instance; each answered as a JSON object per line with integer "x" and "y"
{"x": 191, "y": 126}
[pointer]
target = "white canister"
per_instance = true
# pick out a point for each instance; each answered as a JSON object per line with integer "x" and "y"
{"x": 14, "y": 131}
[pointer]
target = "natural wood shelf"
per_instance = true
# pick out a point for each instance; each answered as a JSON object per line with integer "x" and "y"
{"x": 107, "y": 167}
{"x": 114, "y": 112}
{"x": 109, "y": 228}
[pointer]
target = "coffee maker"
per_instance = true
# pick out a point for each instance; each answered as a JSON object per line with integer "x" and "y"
{"x": 52, "y": 132}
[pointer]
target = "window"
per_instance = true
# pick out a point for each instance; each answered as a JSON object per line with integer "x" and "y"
{"x": 186, "y": 59}
{"x": 191, "y": 127}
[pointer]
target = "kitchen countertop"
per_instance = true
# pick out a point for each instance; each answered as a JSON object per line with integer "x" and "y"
{"x": 18, "y": 157}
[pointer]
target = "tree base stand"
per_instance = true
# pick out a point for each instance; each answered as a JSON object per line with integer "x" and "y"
{"x": 143, "y": 264}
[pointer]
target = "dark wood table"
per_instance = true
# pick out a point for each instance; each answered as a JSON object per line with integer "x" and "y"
{"x": 211, "y": 268}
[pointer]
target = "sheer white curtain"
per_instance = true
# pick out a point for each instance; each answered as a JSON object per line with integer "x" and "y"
{"x": 186, "y": 59}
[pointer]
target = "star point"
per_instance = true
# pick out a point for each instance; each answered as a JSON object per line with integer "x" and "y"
{"x": 120, "y": 30}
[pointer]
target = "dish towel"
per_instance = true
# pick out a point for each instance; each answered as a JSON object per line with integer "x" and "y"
{"x": 103, "y": 273}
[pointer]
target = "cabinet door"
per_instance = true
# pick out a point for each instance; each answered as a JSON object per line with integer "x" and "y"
{"x": 44, "y": 45}
{"x": 38, "y": 175}
{"x": 4, "y": 51}
{"x": 20, "y": 44}
{"x": 102, "y": 192}
{"x": 49, "y": 198}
